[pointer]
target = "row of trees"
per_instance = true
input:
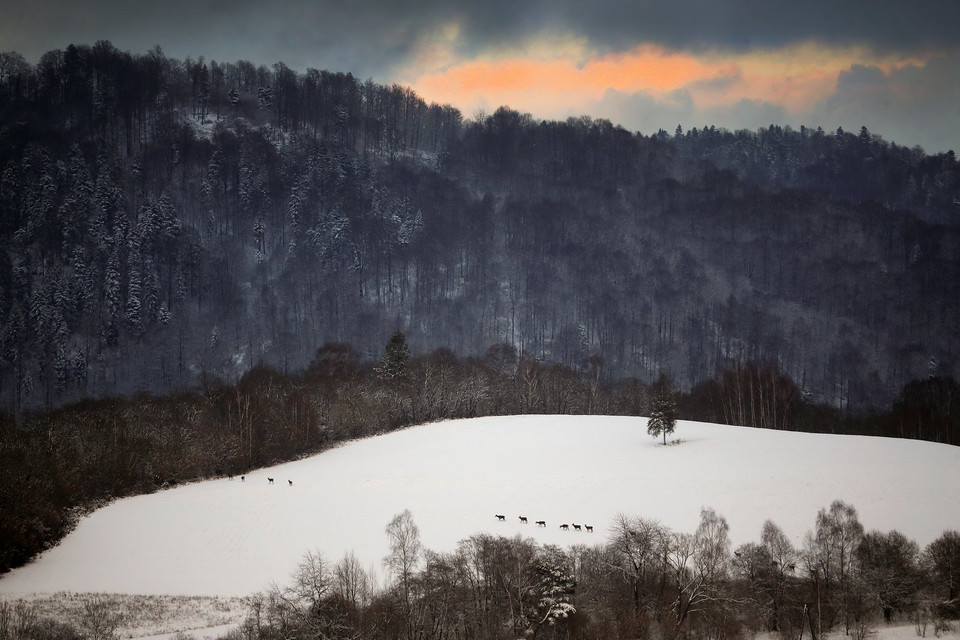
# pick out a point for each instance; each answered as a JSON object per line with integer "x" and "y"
{"x": 55, "y": 462}
{"x": 645, "y": 580}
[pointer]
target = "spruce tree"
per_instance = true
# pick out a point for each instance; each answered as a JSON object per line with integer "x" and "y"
{"x": 396, "y": 358}
{"x": 663, "y": 409}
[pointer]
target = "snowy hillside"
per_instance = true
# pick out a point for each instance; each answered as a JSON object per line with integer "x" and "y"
{"x": 226, "y": 537}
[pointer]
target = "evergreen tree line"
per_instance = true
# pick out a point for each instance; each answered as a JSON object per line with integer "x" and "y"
{"x": 160, "y": 218}
{"x": 57, "y": 464}
{"x": 643, "y": 580}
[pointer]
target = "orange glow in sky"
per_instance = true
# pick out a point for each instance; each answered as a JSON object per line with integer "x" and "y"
{"x": 794, "y": 78}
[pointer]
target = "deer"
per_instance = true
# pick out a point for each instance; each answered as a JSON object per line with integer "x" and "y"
{"x": 588, "y": 527}
{"x": 541, "y": 523}
{"x": 270, "y": 480}
{"x": 523, "y": 519}
{"x": 291, "y": 482}
{"x": 565, "y": 527}
{"x": 500, "y": 517}
{"x": 242, "y": 478}
{"x": 576, "y": 527}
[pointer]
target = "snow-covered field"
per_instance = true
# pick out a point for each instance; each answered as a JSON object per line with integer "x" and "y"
{"x": 148, "y": 617}
{"x": 231, "y": 538}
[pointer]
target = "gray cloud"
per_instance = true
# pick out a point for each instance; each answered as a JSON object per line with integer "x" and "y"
{"x": 376, "y": 38}
{"x": 371, "y": 38}
{"x": 910, "y": 106}
{"x": 882, "y": 24}
{"x": 647, "y": 114}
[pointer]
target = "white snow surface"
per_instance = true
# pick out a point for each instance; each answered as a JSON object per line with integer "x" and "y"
{"x": 230, "y": 538}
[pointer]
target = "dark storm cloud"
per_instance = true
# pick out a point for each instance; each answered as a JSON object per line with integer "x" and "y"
{"x": 883, "y": 24}
{"x": 371, "y": 38}
{"x": 912, "y": 105}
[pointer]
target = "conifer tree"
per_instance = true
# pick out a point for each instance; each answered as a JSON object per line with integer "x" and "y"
{"x": 663, "y": 409}
{"x": 396, "y": 358}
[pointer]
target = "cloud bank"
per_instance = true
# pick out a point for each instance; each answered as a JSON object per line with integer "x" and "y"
{"x": 889, "y": 65}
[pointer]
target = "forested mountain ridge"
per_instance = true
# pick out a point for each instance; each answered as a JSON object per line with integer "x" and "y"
{"x": 161, "y": 218}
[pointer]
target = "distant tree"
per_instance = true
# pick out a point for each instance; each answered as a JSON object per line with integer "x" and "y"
{"x": 395, "y": 362}
{"x": 700, "y": 565}
{"x": 640, "y": 548}
{"x": 554, "y": 589}
{"x": 663, "y": 408}
{"x": 829, "y": 556}
{"x": 403, "y": 559}
{"x": 306, "y": 607}
{"x": 334, "y": 361}
{"x": 941, "y": 559}
{"x": 766, "y": 574}
{"x": 351, "y": 583}
{"x": 756, "y": 571}
{"x": 888, "y": 570}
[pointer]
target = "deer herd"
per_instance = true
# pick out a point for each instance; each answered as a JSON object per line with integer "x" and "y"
{"x": 543, "y": 523}
{"x": 523, "y": 519}
{"x": 269, "y": 480}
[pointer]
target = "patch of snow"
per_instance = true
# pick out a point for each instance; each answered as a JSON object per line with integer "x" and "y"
{"x": 202, "y": 129}
{"x": 231, "y": 538}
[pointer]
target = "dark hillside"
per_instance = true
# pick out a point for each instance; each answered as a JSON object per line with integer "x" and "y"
{"x": 164, "y": 219}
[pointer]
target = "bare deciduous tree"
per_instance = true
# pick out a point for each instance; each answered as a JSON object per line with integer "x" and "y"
{"x": 700, "y": 563}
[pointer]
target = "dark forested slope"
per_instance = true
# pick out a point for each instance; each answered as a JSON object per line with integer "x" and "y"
{"x": 160, "y": 219}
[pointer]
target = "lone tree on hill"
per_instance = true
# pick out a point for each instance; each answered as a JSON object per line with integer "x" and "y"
{"x": 663, "y": 409}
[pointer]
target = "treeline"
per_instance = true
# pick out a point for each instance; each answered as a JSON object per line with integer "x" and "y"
{"x": 56, "y": 464}
{"x": 643, "y": 580}
{"x": 164, "y": 217}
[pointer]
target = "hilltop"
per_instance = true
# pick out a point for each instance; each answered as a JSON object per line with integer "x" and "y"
{"x": 229, "y": 537}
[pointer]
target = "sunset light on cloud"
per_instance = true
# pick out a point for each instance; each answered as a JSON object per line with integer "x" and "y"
{"x": 893, "y": 67}
{"x": 794, "y": 78}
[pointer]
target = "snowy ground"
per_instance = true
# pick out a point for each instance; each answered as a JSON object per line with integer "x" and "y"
{"x": 882, "y": 631}
{"x": 231, "y": 538}
{"x": 144, "y": 617}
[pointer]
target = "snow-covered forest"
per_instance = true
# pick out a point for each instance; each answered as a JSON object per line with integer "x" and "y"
{"x": 165, "y": 220}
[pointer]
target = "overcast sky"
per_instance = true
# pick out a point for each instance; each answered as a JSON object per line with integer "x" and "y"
{"x": 893, "y": 66}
